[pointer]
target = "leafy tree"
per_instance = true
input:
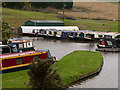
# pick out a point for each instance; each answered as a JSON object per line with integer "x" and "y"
{"x": 42, "y": 76}
{"x": 18, "y": 5}
{"x": 6, "y": 33}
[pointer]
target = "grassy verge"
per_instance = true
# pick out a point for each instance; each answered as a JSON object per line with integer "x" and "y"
{"x": 70, "y": 68}
{"x": 78, "y": 63}
{"x": 17, "y": 18}
{"x": 15, "y": 79}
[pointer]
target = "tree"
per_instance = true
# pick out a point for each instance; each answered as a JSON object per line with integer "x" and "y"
{"x": 43, "y": 76}
{"x": 6, "y": 33}
{"x": 18, "y": 5}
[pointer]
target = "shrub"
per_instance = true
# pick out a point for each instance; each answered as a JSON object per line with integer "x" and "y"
{"x": 43, "y": 76}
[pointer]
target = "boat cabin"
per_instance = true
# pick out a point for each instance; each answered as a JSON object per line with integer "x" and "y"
{"x": 17, "y": 46}
{"x": 109, "y": 43}
{"x": 19, "y": 61}
{"x": 22, "y": 45}
{"x": 5, "y": 49}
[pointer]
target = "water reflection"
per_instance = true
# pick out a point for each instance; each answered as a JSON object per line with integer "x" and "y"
{"x": 107, "y": 78}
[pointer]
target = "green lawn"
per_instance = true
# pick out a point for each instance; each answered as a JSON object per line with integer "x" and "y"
{"x": 17, "y": 18}
{"x": 70, "y": 68}
{"x": 78, "y": 63}
{"x": 15, "y": 79}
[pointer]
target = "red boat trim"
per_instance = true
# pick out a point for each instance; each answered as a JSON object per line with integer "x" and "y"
{"x": 18, "y": 55}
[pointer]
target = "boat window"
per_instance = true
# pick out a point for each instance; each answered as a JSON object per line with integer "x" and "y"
{"x": 75, "y": 34}
{"x": 102, "y": 43}
{"x": 50, "y": 32}
{"x": 5, "y": 50}
{"x": 45, "y": 32}
{"x": 100, "y": 36}
{"x": 89, "y": 35}
{"x": 55, "y": 33}
{"x": 71, "y": 34}
{"x": 29, "y": 44}
{"x": 81, "y": 34}
{"x": 33, "y": 31}
{"x": 42, "y": 32}
{"x": 14, "y": 49}
{"x": 25, "y": 45}
{"x": 36, "y": 30}
{"x": 107, "y": 36}
{"x": 36, "y": 58}
{"x": 19, "y": 61}
{"x": 20, "y": 45}
{"x": 109, "y": 43}
{"x": 118, "y": 36}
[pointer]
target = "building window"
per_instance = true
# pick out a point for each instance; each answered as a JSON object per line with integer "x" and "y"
{"x": 19, "y": 61}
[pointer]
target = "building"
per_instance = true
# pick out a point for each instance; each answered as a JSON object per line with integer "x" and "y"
{"x": 43, "y": 23}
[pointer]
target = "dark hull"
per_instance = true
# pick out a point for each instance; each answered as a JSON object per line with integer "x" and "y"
{"x": 108, "y": 49}
{"x": 15, "y": 69}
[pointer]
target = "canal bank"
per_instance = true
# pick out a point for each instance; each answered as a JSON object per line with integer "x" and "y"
{"x": 79, "y": 65}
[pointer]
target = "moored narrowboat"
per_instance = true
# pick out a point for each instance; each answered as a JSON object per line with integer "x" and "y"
{"x": 21, "y": 61}
{"x": 19, "y": 54}
{"x": 109, "y": 43}
{"x": 17, "y": 46}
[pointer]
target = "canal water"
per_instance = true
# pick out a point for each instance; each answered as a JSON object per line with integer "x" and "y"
{"x": 107, "y": 78}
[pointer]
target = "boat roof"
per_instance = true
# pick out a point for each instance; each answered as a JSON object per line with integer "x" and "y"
{"x": 50, "y": 27}
{"x": 46, "y": 21}
{"x": 20, "y": 41}
{"x": 18, "y": 54}
{"x": 3, "y": 46}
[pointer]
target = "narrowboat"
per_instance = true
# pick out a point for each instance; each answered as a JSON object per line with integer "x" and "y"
{"x": 17, "y": 46}
{"x": 109, "y": 43}
{"x": 20, "y": 61}
{"x": 19, "y": 54}
{"x": 73, "y": 34}
{"x": 94, "y": 35}
{"x": 29, "y": 30}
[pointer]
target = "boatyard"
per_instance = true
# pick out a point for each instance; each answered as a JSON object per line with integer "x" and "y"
{"x": 50, "y": 49}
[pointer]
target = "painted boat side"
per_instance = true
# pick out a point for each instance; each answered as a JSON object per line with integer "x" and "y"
{"x": 10, "y": 63}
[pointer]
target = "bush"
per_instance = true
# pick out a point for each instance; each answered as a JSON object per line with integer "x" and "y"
{"x": 43, "y": 76}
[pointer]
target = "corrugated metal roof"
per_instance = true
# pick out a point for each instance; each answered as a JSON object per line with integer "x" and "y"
{"x": 46, "y": 21}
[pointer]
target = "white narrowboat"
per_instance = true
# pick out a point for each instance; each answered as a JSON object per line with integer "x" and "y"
{"x": 26, "y": 30}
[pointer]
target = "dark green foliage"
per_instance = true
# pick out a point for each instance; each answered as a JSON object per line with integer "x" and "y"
{"x": 42, "y": 76}
{"x": 58, "y": 5}
{"x": 6, "y": 33}
{"x": 69, "y": 5}
{"x": 19, "y": 5}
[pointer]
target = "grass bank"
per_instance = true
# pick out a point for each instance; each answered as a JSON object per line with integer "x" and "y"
{"x": 78, "y": 63}
{"x": 17, "y": 18}
{"x": 70, "y": 68}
